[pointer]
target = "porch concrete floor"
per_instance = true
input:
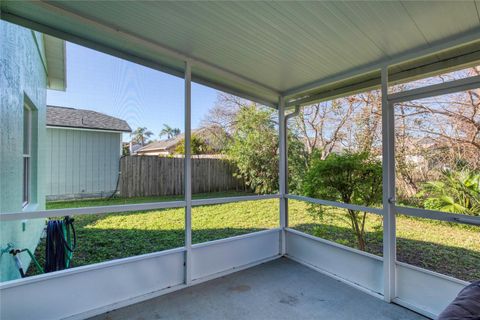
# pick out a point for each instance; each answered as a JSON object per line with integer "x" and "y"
{"x": 280, "y": 289}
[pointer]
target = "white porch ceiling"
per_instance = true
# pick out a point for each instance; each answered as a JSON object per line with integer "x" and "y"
{"x": 263, "y": 49}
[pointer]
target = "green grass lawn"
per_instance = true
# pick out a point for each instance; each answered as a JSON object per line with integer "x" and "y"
{"x": 442, "y": 247}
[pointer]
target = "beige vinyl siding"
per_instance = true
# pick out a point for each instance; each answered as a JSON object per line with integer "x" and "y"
{"x": 81, "y": 163}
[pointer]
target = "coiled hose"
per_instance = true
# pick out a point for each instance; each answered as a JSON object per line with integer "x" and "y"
{"x": 59, "y": 247}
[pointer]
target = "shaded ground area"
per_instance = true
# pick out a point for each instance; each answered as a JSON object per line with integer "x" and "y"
{"x": 446, "y": 248}
{"x": 281, "y": 289}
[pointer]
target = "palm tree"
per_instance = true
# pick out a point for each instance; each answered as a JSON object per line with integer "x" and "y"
{"x": 456, "y": 192}
{"x": 169, "y": 131}
{"x": 140, "y": 135}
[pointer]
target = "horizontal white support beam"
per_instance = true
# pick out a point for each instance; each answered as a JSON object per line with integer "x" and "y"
{"x": 335, "y": 93}
{"x": 416, "y": 212}
{"x": 90, "y": 210}
{"x": 11, "y": 216}
{"x": 355, "y": 207}
{"x": 435, "y": 90}
{"x": 438, "y": 215}
{"x": 428, "y": 91}
{"x": 211, "y": 201}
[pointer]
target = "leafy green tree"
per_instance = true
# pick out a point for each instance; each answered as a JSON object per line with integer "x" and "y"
{"x": 141, "y": 135}
{"x": 298, "y": 162}
{"x": 456, "y": 192}
{"x": 352, "y": 178}
{"x": 198, "y": 145}
{"x": 125, "y": 149}
{"x": 253, "y": 147}
{"x": 169, "y": 132}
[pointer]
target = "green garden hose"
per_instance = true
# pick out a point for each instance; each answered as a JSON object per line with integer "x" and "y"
{"x": 60, "y": 244}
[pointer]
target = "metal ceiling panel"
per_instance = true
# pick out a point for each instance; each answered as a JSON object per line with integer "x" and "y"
{"x": 259, "y": 49}
{"x": 374, "y": 20}
{"x": 437, "y": 22}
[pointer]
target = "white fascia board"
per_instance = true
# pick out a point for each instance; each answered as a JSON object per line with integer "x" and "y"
{"x": 86, "y": 129}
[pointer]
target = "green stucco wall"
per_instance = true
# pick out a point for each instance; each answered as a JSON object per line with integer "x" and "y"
{"x": 22, "y": 80}
{"x": 81, "y": 163}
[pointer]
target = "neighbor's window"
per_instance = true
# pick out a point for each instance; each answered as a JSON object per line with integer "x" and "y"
{"x": 27, "y": 142}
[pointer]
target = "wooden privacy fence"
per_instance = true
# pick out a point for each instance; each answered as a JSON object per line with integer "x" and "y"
{"x": 161, "y": 176}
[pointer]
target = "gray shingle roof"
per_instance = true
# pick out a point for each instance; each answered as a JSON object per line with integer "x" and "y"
{"x": 162, "y": 144}
{"x": 86, "y": 119}
{"x": 167, "y": 144}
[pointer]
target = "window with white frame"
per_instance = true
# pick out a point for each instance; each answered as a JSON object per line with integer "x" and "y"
{"x": 27, "y": 150}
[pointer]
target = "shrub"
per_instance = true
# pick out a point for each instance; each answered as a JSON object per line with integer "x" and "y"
{"x": 198, "y": 145}
{"x": 352, "y": 178}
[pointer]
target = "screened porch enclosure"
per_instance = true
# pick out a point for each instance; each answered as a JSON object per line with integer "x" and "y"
{"x": 285, "y": 56}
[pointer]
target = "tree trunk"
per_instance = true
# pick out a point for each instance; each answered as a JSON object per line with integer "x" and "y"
{"x": 359, "y": 234}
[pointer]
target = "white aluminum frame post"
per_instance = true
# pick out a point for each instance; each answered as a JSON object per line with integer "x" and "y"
{"x": 388, "y": 197}
{"x": 282, "y": 175}
{"x": 188, "y": 173}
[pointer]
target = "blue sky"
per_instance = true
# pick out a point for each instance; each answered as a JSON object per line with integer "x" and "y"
{"x": 141, "y": 96}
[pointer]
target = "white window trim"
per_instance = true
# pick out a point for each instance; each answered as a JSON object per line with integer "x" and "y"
{"x": 27, "y": 169}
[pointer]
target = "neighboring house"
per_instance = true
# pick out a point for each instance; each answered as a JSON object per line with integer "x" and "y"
{"x": 428, "y": 153}
{"x": 161, "y": 148}
{"x": 131, "y": 147}
{"x": 83, "y": 153}
{"x": 210, "y": 135}
{"x": 30, "y": 62}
